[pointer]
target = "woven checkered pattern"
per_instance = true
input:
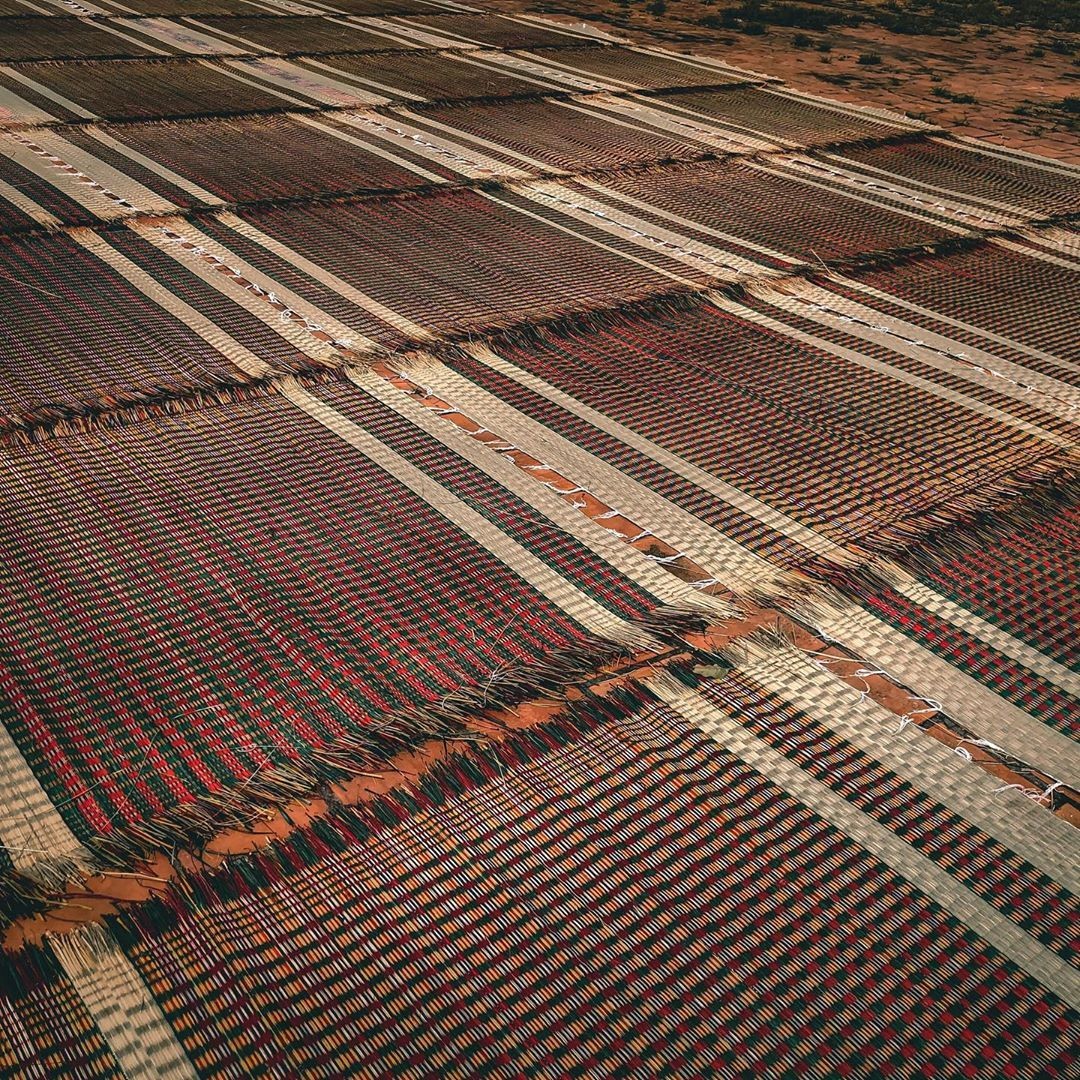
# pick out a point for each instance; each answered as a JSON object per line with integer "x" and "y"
{"x": 982, "y": 176}
{"x": 47, "y": 1029}
{"x": 441, "y": 75}
{"x": 299, "y": 34}
{"x": 1029, "y": 301}
{"x": 62, "y": 38}
{"x": 849, "y": 452}
{"x": 555, "y": 136}
{"x": 472, "y": 261}
{"x": 670, "y": 961}
{"x": 489, "y": 30}
{"x": 136, "y": 89}
{"x": 70, "y": 322}
{"x": 306, "y": 646}
{"x": 641, "y": 69}
{"x": 246, "y": 159}
{"x": 522, "y": 555}
{"x": 787, "y": 217}
{"x": 796, "y": 119}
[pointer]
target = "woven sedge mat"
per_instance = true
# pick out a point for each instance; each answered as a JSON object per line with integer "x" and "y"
{"x": 288, "y": 33}
{"x": 28, "y": 202}
{"x": 185, "y": 7}
{"x": 487, "y": 29}
{"x": 51, "y": 37}
{"x": 554, "y": 135}
{"x": 438, "y": 75}
{"x": 787, "y": 115}
{"x": 1030, "y": 401}
{"x": 853, "y": 454}
{"x": 254, "y": 158}
{"x": 629, "y": 67}
{"x": 920, "y": 793}
{"x": 471, "y": 262}
{"x": 994, "y": 177}
{"x": 137, "y": 89}
{"x": 800, "y": 222}
{"x": 612, "y": 893}
{"x": 1031, "y": 302}
{"x": 1016, "y": 569}
{"x": 85, "y": 336}
{"x": 216, "y": 611}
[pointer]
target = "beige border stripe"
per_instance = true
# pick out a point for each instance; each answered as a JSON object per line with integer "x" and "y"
{"x": 727, "y": 560}
{"x": 209, "y": 331}
{"x": 939, "y": 317}
{"x": 294, "y": 333}
{"x": 972, "y": 201}
{"x": 963, "y": 697}
{"x": 551, "y": 584}
{"x": 32, "y": 832}
{"x": 330, "y": 280}
{"x": 655, "y": 239}
{"x": 998, "y": 639}
{"x": 118, "y": 183}
{"x": 45, "y": 92}
{"x": 602, "y": 542}
{"x": 923, "y": 345}
{"x": 1046, "y": 841}
{"x": 773, "y": 519}
{"x": 141, "y": 1039}
{"x": 165, "y": 173}
{"x": 213, "y": 250}
{"x": 1007, "y": 938}
{"x": 872, "y": 364}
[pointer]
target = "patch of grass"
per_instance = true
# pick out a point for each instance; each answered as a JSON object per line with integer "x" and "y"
{"x": 802, "y": 41}
{"x": 867, "y": 59}
{"x": 948, "y": 95}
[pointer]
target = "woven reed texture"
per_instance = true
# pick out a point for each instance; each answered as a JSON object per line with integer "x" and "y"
{"x": 189, "y": 7}
{"x": 801, "y": 222}
{"x": 79, "y": 334}
{"x": 498, "y": 659}
{"x": 338, "y": 610}
{"x": 39, "y": 201}
{"x": 796, "y": 119}
{"x": 670, "y": 961}
{"x": 1001, "y": 877}
{"x": 491, "y": 30}
{"x": 944, "y": 166}
{"x": 62, "y": 38}
{"x": 854, "y": 454}
{"x": 441, "y": 76}
{"x": 129, "y": 89}
{"x": 1031, "y": 302}
{"x": 556, "y": 136}
{"x": 471, "y": 261}
{"x": 628, "y": 66}
{"x": 246, "y": 159}
{"x": 301, "y": 34}
{"x": 1019, "y": 572}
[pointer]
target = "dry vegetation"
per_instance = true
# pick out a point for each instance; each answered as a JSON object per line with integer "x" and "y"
{"x": 1010, "y": 74}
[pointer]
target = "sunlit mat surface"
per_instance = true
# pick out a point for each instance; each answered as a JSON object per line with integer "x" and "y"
{"x": 523, "y": 554}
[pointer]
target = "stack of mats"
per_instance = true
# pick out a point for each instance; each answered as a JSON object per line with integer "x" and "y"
{"x": 523, "y": 555}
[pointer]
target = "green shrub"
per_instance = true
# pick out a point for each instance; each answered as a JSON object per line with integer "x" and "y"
{"x": 869, "y": 58}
